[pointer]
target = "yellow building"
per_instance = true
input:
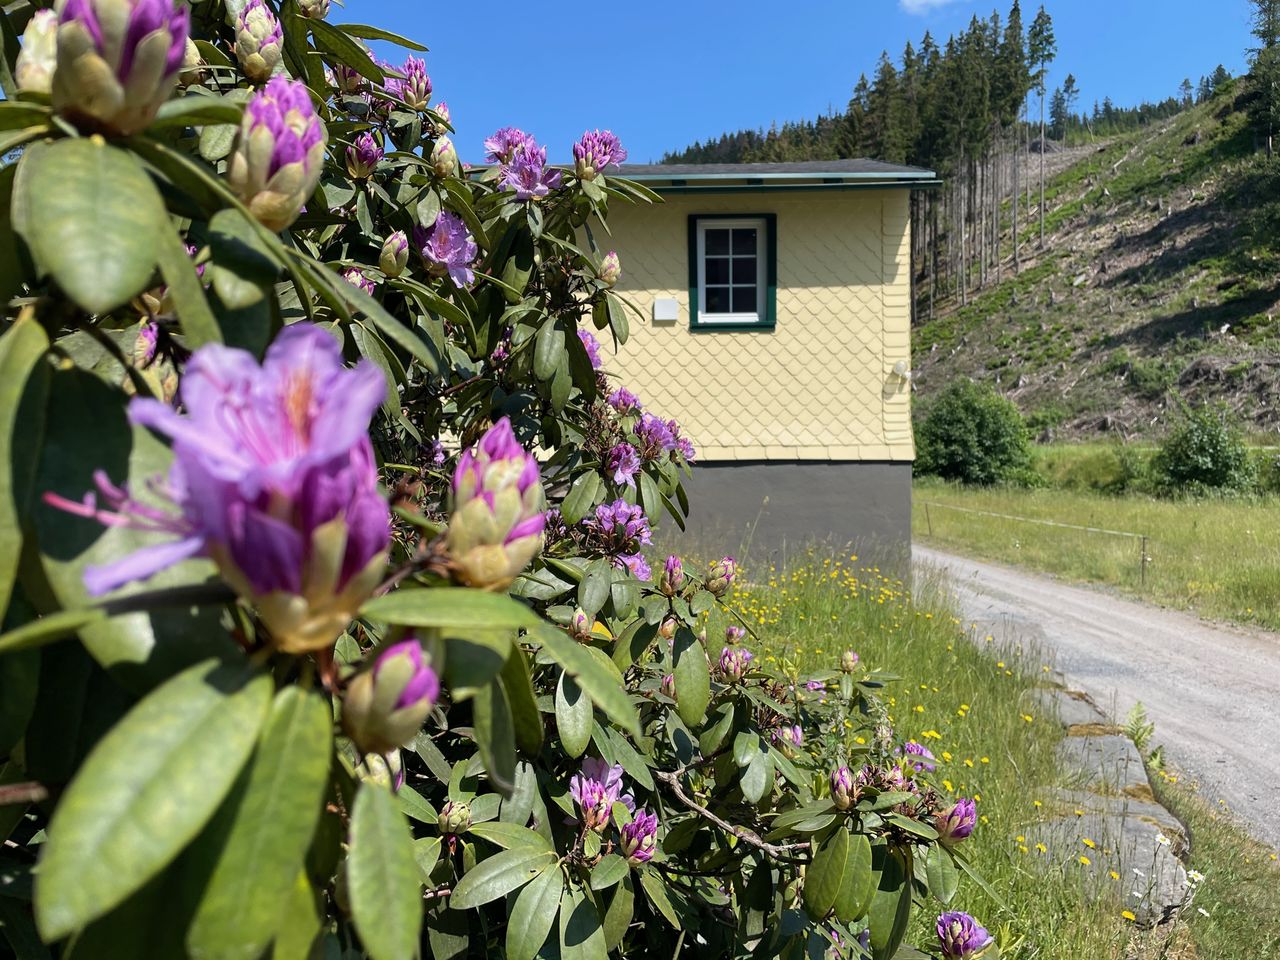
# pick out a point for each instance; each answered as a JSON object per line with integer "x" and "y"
{"x": 776, "y": 328}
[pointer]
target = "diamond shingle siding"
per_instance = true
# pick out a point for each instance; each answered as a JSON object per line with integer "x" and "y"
{"x": 820, "y": 386}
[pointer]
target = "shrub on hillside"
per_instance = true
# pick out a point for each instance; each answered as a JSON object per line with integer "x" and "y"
{"x": 974, "y": 435}
{"x": 1205, "y": 451}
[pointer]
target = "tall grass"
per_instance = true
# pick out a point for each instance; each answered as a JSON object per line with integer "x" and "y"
{"x": 1218, "y": 557}
{"x": 974, "y": 705}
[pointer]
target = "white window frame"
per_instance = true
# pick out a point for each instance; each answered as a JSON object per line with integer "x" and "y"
{"x": 761, "y": 226}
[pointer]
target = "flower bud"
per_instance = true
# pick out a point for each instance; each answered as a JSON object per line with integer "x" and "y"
{"x": 192, "y": 65}
{"x": 720, "y": 579}
{"x": 33, "y": 70}
{"x": 734, "y": 663}
{"x": 117, "y": 61}
{"x": 789, "y": 739}
{"x": 363, "y": 156}
{"x": 384, "y": 770}
{"x": 956, "y": 822}
{"x": 348, "y": 79}
{"x": 385, "y": 706}
{"x": 610, "y": 269}
{"x": 672, "y": 580}
{"x": 498, "y": 511}
{"x": 734, "y": 634}
{"x": 580, "y": 625}
{"x": 441, "y": 110}
{"x": 848, "y": 661}
{"x": 667, "y": 631}
{"x": 919, "y": 757}
{"x": 596, "y": 150}
{"x": 961, "y": 938}
{"x": 444, "y": 158}
{"x": 640, "y": 838}
{"x": 843, "y": 792}
{"x": 454, "y": 818}
{"x": 355, "y": 276}
{"x": 279, "y": 153}
{"x": 144, "y": 345}
{"x": 259, "y": 41}
{"x": 669, "y": 685}
{"x": 314, "y": 9}
{"x": 395, "y": 254}
{"x": 415, "y": 88}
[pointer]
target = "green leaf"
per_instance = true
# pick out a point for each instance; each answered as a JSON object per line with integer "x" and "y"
{"x": 196, "y": 110}
{"x": 523, "y": 702}
{"x": 573, "y": 716}
{"x": 825, "y": 876}
{"x": 24, "y": 385}
{"x": 426, "y": 852}
{"x": 854, "y": 896}
{"x": 610, "y": 870}
{"x": 146, "y": 790}
{"x": 186, "y": 291}
{"x": 365, "y": 32}
{"x": 508, "y": 835}
{"x": 498, "y": 875}
{"x": 757, "y": 778}
{"x": 15, "y": 114}
{"x": 299, "y": 923}
{"x": 383, "y": 877}
{"x": 581, "y": 935}
{"x": 692, "y": 677}
{"x": 581, "y": 497}
{"x": 92, "y": 219}
{"x": 243, "y": 267}
{"x": 495, "y": 736}
{"x": 593, "y": 590}
{"x": 333, "y": 40}
{"x": 656, "y": 891}
{"x": 534, "y": 914}
{"x": 600, "y": 685}
{"x": 890, "y": 908}
{"x": 941, "y": 872}
{"x": 547, "y": 349}
{"x": 618, "y": 916}
{"x": 268, "y": 840}
{"x": 450, "y": 608}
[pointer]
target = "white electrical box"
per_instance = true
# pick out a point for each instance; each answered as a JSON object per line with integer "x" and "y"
{"x": 666, "y": 310}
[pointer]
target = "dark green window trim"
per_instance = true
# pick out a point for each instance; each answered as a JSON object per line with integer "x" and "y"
{"x": 770, "y": 319}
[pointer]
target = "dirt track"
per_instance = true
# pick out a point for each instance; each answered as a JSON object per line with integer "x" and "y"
{"x": 1213, "y": 691}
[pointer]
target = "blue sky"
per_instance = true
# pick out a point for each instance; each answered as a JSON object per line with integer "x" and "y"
{"x": 662, "y": 74}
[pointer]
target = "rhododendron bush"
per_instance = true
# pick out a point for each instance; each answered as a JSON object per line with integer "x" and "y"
{"x": 332, "y": 626}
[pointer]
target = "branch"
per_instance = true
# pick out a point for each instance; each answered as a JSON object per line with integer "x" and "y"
{"x": 778, "y": 851}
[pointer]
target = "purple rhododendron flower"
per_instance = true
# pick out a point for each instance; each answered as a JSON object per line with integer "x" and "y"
{"x": 356, "y": 278}
{"x": 813, "y": 686}
{"x": 596, "y": 150}
{"x": 415, "y": 88}
{"x": 423, "y": 684}
{"x": 526, "y": 173}
{"x": 623, "y": 400}
{"x": 734, "y": 663}
{"x": 363, "y": 155}
{"x": 655, "y": 436}
{"x": 596, "y": 789}
{"x": 960, "y": 937}
{"x": 957, "y": 822}
{"x": 623, "y": 463}
{"x": 924, "y": 758}
{"x": 792, "y": 736}
{"x": 593, "y": 347}
{"x": 622, "y": 525}
{"x": 438, "y": 455}
{"x": 672, "y": 576}
{"x": 447, "y": 247}
{"x": 264, "y": 458}
{"x": 502, "y": 146}
{"x": 640, "y": 837}
{"x": 843, "y": 789}
{"x": 635, "y": 564}
{"x": 734, "y": 633}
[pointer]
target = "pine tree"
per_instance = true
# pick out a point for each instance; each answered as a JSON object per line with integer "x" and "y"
{"x": 1042, "y": 48}
{"x": 1070, "y": 94}
{"x": 1185, "y": 91}
{"x": 1058, "y": 114}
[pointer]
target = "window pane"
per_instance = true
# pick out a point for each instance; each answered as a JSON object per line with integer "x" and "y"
{"x": 717, "y": 242}
{"x": 717, "y": 300}
{"x": 744, "y": 299}
{"x": 718, "y": 270}
{"x": 744, "y": 241}
{"x": 744, "y": 271}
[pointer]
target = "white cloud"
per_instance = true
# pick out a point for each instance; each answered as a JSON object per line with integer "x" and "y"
{"x": 923, "y": 6}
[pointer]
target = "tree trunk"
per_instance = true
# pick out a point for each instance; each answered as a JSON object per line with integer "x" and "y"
{"x": 1017, "y": 196}
{"x": 1042, "y": 168}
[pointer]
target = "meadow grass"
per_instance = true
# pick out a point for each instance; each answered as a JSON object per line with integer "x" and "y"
{"x": 1218, "y": 557}
{"x": 974, "y": 704}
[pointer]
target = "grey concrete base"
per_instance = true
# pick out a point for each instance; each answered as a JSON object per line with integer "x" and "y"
{"x": 767, "y": 508}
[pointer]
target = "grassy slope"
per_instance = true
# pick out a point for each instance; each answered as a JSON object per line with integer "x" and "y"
{"x": 1221, "y": 558}
{"x": 1157, "y": 240}
{"x": 970, "y": 704}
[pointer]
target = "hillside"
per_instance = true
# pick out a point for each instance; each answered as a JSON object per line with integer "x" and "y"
{"x": 1160, "y": 275}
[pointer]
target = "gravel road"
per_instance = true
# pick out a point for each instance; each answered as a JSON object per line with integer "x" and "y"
{"x": 1212, "y": 690}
